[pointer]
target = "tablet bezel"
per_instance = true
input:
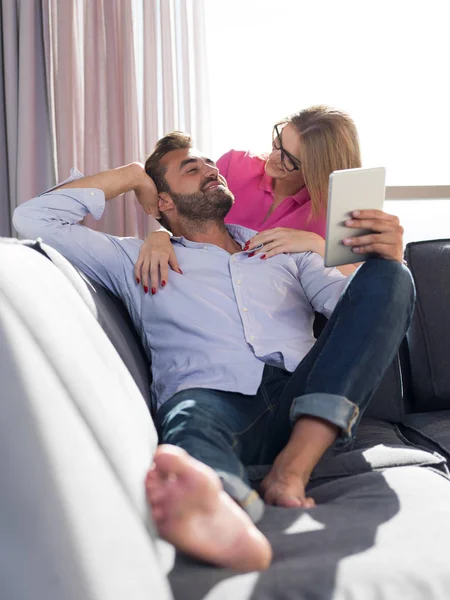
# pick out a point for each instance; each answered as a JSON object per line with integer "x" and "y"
{"x": 349, "y": 190}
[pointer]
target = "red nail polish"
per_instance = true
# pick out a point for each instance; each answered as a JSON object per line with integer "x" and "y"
{"x": 153, "y": 291}
{"x": 145, "y": 289}
{"x": 263, "y": 257}
{"x": 138, "y": 280}
{"x": 163, "y": 283}
{"x": 251, "y": 254}
{"x": 181, "y": 272}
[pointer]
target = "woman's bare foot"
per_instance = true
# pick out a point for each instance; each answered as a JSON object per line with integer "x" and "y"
{"x": 192, "y": 512}
{"x": 286, "y": 490}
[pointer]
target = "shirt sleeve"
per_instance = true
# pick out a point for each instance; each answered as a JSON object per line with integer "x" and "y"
{"x": 54, "y": 216}
{"x": 323, "y": 286}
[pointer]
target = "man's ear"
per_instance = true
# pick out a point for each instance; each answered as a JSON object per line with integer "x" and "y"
{"x": 165, "y": 202}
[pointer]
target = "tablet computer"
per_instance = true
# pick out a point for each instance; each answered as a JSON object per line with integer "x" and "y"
{"x": 349, "y": 190}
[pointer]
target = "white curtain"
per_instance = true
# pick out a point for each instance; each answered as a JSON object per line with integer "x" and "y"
{"x": 26, "y": 158}
{"x": 121, "y": 73}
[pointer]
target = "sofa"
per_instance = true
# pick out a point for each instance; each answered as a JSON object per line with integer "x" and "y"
{"x": 77, "y": 437}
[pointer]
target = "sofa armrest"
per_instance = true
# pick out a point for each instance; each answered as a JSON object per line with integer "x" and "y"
{"x": 429, "y": 334}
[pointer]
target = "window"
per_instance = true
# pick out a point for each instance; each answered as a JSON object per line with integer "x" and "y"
{"x": 385, "y": 62}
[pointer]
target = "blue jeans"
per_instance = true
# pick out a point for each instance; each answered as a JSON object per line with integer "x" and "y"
{"x": 335, "y": 381}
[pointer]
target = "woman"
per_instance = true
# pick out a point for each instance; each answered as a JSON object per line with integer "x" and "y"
{"x": 283, "y": 195}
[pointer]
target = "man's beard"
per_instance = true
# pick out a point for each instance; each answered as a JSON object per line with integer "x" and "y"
{"x": 204, "y": 206}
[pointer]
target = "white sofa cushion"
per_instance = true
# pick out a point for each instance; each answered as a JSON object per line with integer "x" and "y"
{"x": 87, "y": 365}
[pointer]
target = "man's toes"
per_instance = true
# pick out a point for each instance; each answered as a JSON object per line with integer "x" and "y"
{"x": 279, "y": 498}
{"x": 171, "y": 461}
{"x": 156, "y": 495}
{"x": 268, "y": 496}
{"x": 288, "y": 501}
{"x": 158, "y": 512}
{"x": 152, "y": 479}
{"x": 309, "y": 503}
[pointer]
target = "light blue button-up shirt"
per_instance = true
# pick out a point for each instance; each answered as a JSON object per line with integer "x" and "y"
{"x": 216, "y": 325}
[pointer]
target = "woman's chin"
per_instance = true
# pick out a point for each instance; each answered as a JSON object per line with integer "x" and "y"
{"x": 272, "y": 171}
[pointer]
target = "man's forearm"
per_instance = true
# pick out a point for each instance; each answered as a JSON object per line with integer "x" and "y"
{"x": 113, "y": 182}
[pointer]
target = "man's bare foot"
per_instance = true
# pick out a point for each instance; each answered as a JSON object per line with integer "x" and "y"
{"x": 192, "y": 512}
{"x": 286, "y": 490}
{"x": 286, "y": 482}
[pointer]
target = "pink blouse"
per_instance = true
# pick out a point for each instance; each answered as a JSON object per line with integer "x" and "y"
{"x": 253, "y": 193}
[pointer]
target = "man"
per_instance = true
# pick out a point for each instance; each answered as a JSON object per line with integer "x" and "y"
{"x": 238, "y": 378}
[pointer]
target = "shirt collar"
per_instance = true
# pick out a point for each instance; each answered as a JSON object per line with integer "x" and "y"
{"x": 301, "y": 197}
{"x": 237, "y": 232}
{"x": 266, "y": 183}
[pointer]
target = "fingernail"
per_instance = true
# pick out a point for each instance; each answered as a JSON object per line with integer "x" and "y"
{"x": 153, "y": 291}
{"x": 138, "y": 280}
{"x": 347, "y": 241}
{"x": 263, "y": 257}
{"x": 246, "y": 245}
{"x": 163, "y": 283}
{"x": 356, "y": 213}
{"x": 145, "y": 289}
{"x": 251, "y": 254}
{"x": 180, "y": 271}
{"x": 349, "y": 222}
{"x": 356, "y": 249}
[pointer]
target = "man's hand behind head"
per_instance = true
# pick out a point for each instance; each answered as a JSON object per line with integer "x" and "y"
{"x": 146, "y": 193}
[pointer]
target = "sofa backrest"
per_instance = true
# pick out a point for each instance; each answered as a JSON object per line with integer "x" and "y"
{"x": 76, "y": 440}
{"x": 113, "y": 317}
{"x": 429, "y": 334}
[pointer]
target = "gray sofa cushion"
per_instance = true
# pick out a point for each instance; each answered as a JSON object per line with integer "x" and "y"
{"x": 378, "y": 445}
{"x": 429, "y": 334}
{"x": 369, "y": 538}
{"x": 430, "y": 430}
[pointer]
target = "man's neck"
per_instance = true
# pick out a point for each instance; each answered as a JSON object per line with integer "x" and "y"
{"x": 207, "y": 233}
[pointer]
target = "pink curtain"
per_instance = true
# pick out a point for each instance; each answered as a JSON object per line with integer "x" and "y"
{"x": 26, "y": 157}
{"x": 121, "y": 73}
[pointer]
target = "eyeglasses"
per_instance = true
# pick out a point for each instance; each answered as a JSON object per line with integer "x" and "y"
{"x": 289, "y": 162}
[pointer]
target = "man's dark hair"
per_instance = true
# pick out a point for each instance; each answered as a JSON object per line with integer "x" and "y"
{"x": 176, "y": 140}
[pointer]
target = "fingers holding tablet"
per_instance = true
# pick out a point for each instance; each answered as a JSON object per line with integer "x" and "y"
{"x": 385, "y": 239}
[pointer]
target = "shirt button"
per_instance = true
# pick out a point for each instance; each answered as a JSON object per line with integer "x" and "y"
{"x": 92, "y": 193}
{"x": 245, "y": 309}
{"x": 239, "y": 282}
{"x": 205, "y": 247}
{"x": 233, "y": 259}
{"x": 252, "y": 337}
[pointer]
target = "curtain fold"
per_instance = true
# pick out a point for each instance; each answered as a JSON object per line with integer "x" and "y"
{"x": 26, "y": 153}
{"x": 121, "y": 73}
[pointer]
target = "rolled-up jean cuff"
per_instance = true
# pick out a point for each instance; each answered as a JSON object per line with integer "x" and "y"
{"x": 248, "y": 499}
{"x": 330, "y": 407}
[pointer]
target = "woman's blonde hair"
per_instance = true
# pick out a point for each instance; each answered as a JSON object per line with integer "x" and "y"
{"x": 329, "y": 143}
